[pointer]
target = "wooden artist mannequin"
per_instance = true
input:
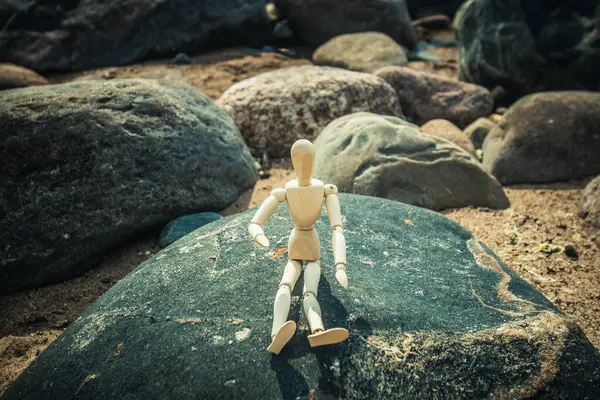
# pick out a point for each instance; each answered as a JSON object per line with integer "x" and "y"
{"x": 305, "y": 199}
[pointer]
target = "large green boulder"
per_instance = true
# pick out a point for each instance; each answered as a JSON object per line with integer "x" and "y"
{"x": 431, "y": 312}
{"x": 86, "y": 166}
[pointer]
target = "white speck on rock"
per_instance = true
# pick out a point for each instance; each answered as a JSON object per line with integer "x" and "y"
{"x": 230, "y": 383}
{"x": 217, "y": 340}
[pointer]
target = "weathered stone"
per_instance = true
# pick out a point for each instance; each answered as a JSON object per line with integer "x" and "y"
{"x": 182, "y": 226}
{"x": 478, "y": 131}
{"x": 447, "y": 130}
{"x": 364, "y": 52}
{"x": 275, "y": 109}
{"x": 387, "y": 157}
{"x": 546, "y": 137}
{"x": 13, "y": 76}
{"x": 589, "y": 208}
{"x": 429, "y": 309}
{"x": 87, "y": 165}
{"x": 79, "y": 34}
{"x": 527, "y": 46}
{"x": 316, "y": 21}
{"x": 424, "y": 96}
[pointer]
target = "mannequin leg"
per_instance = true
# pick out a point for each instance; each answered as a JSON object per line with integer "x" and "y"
{"x": 312, "y": 310}
{"x": 283, "y": 330}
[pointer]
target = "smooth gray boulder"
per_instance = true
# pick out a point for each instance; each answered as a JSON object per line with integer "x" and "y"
{"x": 430, "y": 309}
{"x": 274, "y": 109}
{"x": 546, "y": 137}
{"x": 316, "y": 21}
{"x": 528, "y": 46}
{"x": 88, "y": 165}
{"x": 84, "y": 34}
{"x": 425, "y": 96}
{"x": 363, "y": 52}
{"x": 387, "y": 157}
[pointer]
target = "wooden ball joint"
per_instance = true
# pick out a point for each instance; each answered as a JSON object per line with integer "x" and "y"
{"x": 304, "y": 196}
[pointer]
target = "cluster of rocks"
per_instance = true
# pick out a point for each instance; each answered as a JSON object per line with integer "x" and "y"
{"x": 89, "y": 165}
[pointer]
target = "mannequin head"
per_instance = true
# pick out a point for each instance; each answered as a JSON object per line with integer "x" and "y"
{"x": 303, "y": 156}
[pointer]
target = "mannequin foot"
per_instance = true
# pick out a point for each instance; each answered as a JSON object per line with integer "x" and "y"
{"x": 330, "y": 336}
{"x": 285, "y": 333}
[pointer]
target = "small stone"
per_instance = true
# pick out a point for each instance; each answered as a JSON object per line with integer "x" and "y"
{"x": 571, "y": 252}
{"x": 550, "y": 248}
{"x": 181, "y": 59}
{"x": 282, "y": 30}
{"x": 363, "y": 52}
{"x": 272, "y": 12}
{"x": 496, "y": 118}
{"x": 423, "y": 56}
{"x": 447, "y": 130}
{"x": 14, "y": 76}
{"x": 478, "y": 131}
{"x": 444, "y": 41}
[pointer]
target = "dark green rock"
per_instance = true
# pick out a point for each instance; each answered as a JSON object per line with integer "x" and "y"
{"x": 429, "y": 308}
{"x": 86, "y": 166}
{"x": 316, "y": 21}
{"x": 526, "y": 46}
{"x": 183, "y": 225}
{"x": 80, "y": 34}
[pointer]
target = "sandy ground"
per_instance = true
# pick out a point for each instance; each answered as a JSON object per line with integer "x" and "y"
{"x": 538, "y": 215}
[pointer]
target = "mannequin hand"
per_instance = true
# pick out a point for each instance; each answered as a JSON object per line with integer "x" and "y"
{"x": 261, "y": 240}
{"x": 340, "y": 275}
{"x": 257, "y": 234}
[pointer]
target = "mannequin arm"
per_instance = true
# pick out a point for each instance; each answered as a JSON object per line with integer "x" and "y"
{"x": 262, "y": 215}
{"x": 337, "y": 240}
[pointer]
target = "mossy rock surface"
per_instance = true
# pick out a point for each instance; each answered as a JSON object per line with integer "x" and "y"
{"x": 431, "y": 313}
